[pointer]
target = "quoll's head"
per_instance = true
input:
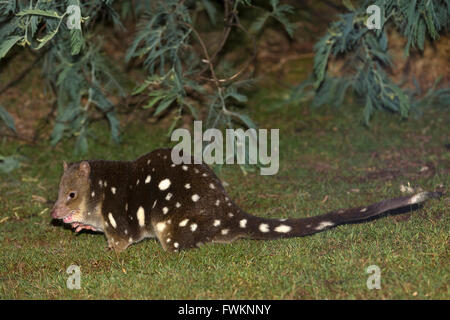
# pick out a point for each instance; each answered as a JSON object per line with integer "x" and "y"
{"x": 71, "y": 206}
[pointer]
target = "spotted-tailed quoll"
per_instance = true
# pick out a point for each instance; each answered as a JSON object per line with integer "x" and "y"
{"x": 182, "y": 205}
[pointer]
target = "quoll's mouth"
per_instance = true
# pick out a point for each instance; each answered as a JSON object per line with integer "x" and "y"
{"x": 69, "y": 217}
{"x": 78, "y": 226}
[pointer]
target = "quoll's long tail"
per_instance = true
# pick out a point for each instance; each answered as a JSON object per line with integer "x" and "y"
{"x": 266, "y": 229}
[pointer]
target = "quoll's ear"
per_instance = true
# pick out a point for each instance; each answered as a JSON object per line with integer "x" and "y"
{"x": 85, "y": 167}
{"x": 65, "y": 165}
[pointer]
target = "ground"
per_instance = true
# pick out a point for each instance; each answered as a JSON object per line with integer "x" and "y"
{"x": 328, "y": 160}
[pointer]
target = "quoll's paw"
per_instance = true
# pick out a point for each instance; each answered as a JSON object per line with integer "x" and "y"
{"x": 79, "y": 226}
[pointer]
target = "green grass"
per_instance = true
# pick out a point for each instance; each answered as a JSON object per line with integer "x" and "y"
{"x": 328, "y": 160}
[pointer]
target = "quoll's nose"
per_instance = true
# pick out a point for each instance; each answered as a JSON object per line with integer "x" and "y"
{"x": 55, "y": 212}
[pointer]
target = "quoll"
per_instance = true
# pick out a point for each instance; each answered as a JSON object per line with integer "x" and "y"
{"x": 182, "y": 205}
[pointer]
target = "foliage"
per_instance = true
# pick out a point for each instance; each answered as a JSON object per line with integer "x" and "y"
{"x": 367, "y": 55}
{"x": 73, "y": 68}
{"x": 180, "y": 69}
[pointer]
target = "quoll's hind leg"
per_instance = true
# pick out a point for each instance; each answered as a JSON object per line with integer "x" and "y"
{"x": 116, "y": 243}
{"x": 179, "y": 233}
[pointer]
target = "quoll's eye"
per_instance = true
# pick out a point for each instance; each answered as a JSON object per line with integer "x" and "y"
{"x": 72, "y": 195}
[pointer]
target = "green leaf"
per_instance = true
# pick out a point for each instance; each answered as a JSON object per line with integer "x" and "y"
{"x": 81, "y": 146}
{"x": 211, "y": 10}
{"x": 8, "y": 164}
{"x": 348, "y": 4}
{"x": 7, "y": 44}
{"x": 367, "y": 111}
{"x": 164, "y": 105}
{"x": 152, "y": 102}
{"x": 246, "y": 119}
{"x": 76, "y": 41}
{"x": 45, "y": 13}
{"x": 239, "y": 97}
{"x": 7, "y": 119}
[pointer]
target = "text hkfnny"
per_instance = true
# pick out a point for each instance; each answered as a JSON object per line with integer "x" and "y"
{"x": 226, "y": 309}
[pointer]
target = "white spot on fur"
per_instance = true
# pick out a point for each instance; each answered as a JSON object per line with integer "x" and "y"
{"x": 93, "y": 194}
{"x": 282, "y": 228}
{"x": 216, "y": 223}
{"x": 196, "y": 170}
{"x": 160, "y": 226}
{"x": 363, "y": 210}
{"x": 264, "y": 227}
{"x": 154, "y": 204}
{"x": 130, "y": 240}
{"x": 187, "y": 185}
{"x": 211, "y": 185}
{"x": 126, "y": 231}
{"x": 126, "y": 206}
{"x": 195, "y": 197}
{"x": 165, "y": 210}
{"x": 148, "y": 179}
{"x": 183, "y": 223}
{"x": 184, "y": 167}
{"x": 418, "y": 198}
{"x": 324, "y": 224}
{"x": 168, "y": 240}
{"x": 177, "y": 204}
{"x": 176, "y": 244}
{"x": 105, "y": 184}
{"x": 168, "y": 196}
{"x": 224, "y": 231}
{"x": 217, "y": 202}
{"x": 173, "y": 165}
{"x": 243, "y": 223}
{"x": 193, "y": 227}
{"x": 230, "y": 214}
{"x": 100, "y": 183}
{"x": 141, "y": 216}
{"x": 111, "y": 220}
{"x": 164, "y": 184}
{"x": 148, "y": 161}
{"x": 137, "y": 182}
{"x": 204, "y": 175}
{"x": 113, "y": 190}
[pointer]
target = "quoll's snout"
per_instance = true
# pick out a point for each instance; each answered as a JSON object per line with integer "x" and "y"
{"x": 59, "y": 212}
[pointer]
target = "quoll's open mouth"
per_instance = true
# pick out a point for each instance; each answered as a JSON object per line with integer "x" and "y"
{"x": 78, "y": 226}
{"x": 69, "y": 217}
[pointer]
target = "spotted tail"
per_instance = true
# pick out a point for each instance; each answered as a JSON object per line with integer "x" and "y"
{"x": 266, "y": 229}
